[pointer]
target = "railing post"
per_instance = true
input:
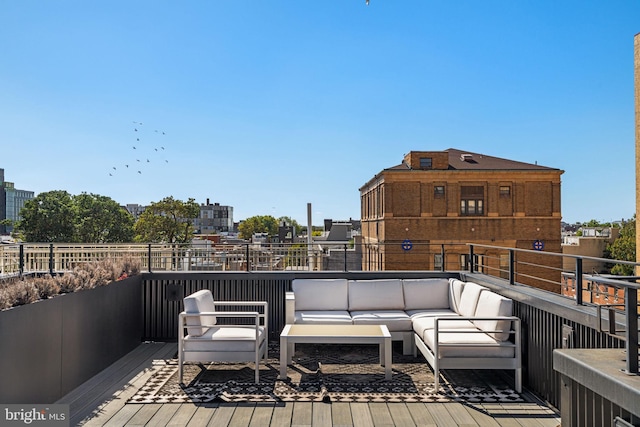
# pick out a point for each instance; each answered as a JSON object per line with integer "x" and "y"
{"x": 631, "y": 309}
{"x": 579, "y": 281}
{"x": 512, "y": 267}
{"x": 149, "y": 256}
{"x": 247, "y": 257}
{"x": 471, "y": 260}
{"x": 51, "y": 259}
{"x": 442, "y": 262}
{"x": 345, "y": 257}
{"x": 21, "y": 259}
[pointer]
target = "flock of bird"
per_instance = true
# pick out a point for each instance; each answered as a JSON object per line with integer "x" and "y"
{"x": 145, "y": 151}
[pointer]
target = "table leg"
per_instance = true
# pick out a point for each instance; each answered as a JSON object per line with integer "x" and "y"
{"x": 284, "y": 357}
{"x": 387, "y": 358}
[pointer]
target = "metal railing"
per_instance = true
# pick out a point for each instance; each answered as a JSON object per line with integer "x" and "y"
{"x": 538, "y": 269}
{"x": 54, "y": 258}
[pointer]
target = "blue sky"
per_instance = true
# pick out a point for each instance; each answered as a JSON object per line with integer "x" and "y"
{"x": 269, "y": 105}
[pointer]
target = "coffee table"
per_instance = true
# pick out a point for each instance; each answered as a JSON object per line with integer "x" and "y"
{"x": 335, "y": 334}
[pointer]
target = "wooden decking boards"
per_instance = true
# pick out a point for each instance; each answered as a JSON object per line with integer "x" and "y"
{"x": 101, "y": 401}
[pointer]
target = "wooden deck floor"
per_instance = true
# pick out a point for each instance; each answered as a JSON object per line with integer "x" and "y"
{"x": 101, "y": 402}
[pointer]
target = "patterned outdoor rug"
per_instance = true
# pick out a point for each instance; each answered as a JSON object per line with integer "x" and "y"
{"x": 328, "y": 373}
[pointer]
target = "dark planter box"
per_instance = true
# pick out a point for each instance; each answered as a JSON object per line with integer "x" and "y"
{"x": 50, "y": 347}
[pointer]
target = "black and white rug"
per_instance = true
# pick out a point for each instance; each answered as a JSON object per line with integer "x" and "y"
{"x": 324, "y": 373}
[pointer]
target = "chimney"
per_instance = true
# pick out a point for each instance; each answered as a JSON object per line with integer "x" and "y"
{"x": 207, "y": 201}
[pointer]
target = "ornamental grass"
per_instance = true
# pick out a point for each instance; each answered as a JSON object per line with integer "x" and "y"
{"x": 25, "y": 290}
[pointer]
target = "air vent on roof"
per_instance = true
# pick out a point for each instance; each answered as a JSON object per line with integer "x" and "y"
{"x": 466, "y": 157}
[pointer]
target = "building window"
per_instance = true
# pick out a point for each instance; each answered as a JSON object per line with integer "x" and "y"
{"x": 438, "y": 191}
{"x": 426, "y": 162}
{"x": 505, "y": 191}
{"x": 437, "y": 261}
{"x": 464, "y": 261}
{"x": 472, "y": 200}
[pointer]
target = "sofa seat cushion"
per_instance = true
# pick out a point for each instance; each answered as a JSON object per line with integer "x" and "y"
{"x": 422, "y": 324}
{"x": 369, "y": 295}
{"x": 323, "y": 316}
{"x": 491, "y": 304}
{"x": 225, "y": 339}
{"x": 426, "y": 294}
{"x": 320, "y": 294}
{"x": 467, "y": 348}
{"x": 445, "y": 312}
{"x": 396, "y": 320}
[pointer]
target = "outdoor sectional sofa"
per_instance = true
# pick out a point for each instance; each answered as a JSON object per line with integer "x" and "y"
{"x": 454, "y": 324}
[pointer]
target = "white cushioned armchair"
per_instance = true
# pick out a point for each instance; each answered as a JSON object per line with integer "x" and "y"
{"x": 209, "y": 341}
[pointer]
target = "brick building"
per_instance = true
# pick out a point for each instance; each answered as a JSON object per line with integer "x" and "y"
{"x": 453, "y": 197}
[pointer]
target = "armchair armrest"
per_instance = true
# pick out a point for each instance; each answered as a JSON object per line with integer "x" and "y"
{"x": 289, "y": 307}
{"x": 513, "y": 330}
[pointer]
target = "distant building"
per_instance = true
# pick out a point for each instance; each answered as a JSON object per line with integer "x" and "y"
{"x": 135, "y": 210}
{"x": 454, "y": 197}
{"x": 214, "y": 218}
{"x": 592, "y": 243}
{"x": 12, "y": 200}
{"x": 341, "y": 230}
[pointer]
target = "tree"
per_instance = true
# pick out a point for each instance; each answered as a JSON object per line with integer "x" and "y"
{"x": 258, "y": 224}
{"x": 100, "y": 219}
{"x": 57, "y": 216}
{"x": 624, "y": 248}
{"x": 167, "y": 221}
{"x": 49, "y": 217}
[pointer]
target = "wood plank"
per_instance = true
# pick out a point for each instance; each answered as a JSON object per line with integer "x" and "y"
{"x": 182, "y": 416}
{"x": 460, "y": 414}
{"x": 380, "y": 414}
{"x": 262, "y": 415}
{"x": 203, "y": 414}
{"x": 321, "y": 414}
{"x": 361, "y": 415}
{"x": 499, "y": 414}
{"x": 242, "y": 415}
{"x": 127, "y": 374}
{"x": 480, "y": 417}
{"x": 221, "y": 416}
{"x": 84, "y": 399}
{"x": 144, "y": 415}
{"x": 120, "y": 418}
{"x": 341, "y": 414}
{"x": 115, "y": 401}
{"x": 441, "y": 416}
{"x": 301, "y": 414}
{"x": 401, "y": 415}
{"x": 282, "y": 414}
{"x": 421, "y": 415}
{"x": 164, "y": 414}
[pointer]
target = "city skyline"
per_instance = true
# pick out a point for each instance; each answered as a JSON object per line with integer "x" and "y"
{"x": 269, "y": 106}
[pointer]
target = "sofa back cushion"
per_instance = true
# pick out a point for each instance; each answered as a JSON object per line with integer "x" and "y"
{"x": 469, "y": 299}
{"x": 199, "y": 302}
{"x": 491, "y": 304}
{"x": 425, "y": 294}
{"x": 320, "y": 294}
{"x": 455, "y": 293}
{"x": 384, "y": 294}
